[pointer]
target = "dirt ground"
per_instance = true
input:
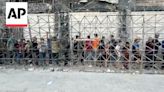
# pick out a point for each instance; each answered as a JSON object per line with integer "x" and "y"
{"x": 50, "y": 80}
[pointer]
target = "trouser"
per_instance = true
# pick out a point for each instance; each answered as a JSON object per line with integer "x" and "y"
{"x": 113, "y": 57}
{"x": 149, "y": 57}
{"x": 50, "y": 56}
{"x": 19, "y": 57}
{"x": 28, "y": 55}
{"x": 137, "y": 57}
{"x": 42, "y": 58}
{"x": 126, "y": 61}
{"x": 55, "y": 58}
{"x": 1, "y": 58}
{"x": 95, "y": 54}
{"x": 10, "y": 56}
{"x": 155, "y": 55}
{"x": 101, "y": 55}
{"x": 88, "y": 55}
{"x": 67, "y": 58}
{"x": 34, "y": 57}
{"x": 79, "y": 56}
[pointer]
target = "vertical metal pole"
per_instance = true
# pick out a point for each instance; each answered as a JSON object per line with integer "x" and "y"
{"x": 49, "y": 28}
{"x": 71, "y": 40}
{"x": 142, "y": 50}
{"x": 124, "y": 11}
{"x": 29, "y": 27}
{"x": 154, "y": 62}
{"x": 130, "y": 48}
{"x": 39, "y": 26}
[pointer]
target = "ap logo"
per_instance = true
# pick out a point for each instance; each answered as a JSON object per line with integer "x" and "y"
{"x": 16, "y": 14}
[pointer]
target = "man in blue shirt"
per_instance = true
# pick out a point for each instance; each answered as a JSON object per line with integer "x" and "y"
{"x": 135, "y": 50}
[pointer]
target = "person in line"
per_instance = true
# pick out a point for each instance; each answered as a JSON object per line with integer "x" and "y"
{"x": 162, "y": 65}
{"x": 35, "y": 51}
{"x": 49, "y": 52}
{"x": 3, "y": 49}
{"x": 10, "y": 47}
{"x": 88, "y": 48}
{"x": 67, "y": 53}
{"x": 149, "y": 49}
{"x": 156, "y": 46}
{"x": 126, "y": 51}
{"x": 162, "y": 49}
{"x": 112, "y": 45}
{"x": 102, "y": 53}
{"x": 42, "y": 51}
{"x": 21, "y": 51}
{"x": 28, "y": 52}
{"x": 118, "y": 52}
{"x": 75, "y": 47}
{"x": 95, "y": 45}
{"x": 55, "y": 51}
{"x": 80, "y": 48}
{"x": 136, "y": 50}
{"x": 101, "y": 49}
{"x": 149, "y": 52}
{"x": 107, "y": 54}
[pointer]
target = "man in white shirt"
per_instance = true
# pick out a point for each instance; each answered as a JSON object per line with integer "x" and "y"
{"x": 118, "y": 53}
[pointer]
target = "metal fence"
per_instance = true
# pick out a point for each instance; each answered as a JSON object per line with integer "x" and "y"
{"x": 90, "y": 39}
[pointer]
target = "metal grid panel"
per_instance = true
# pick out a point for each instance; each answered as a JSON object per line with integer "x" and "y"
{"x": 39, "y": 26}
{"x": 144, "y": 25}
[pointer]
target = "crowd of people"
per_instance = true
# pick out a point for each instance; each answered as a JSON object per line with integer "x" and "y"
{"x": 44, "y": 51}
{"x": 116, "y": 50}
{"x": 30, "y": 51}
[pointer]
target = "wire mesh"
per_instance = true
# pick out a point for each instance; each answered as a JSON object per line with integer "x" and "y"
{"x": 87, "y": 38}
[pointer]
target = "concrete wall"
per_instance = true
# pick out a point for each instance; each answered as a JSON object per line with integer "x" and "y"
{"x": 88, "y": 23}
{"x": 142, "y": 24}
{"x": 39, "y": 25}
